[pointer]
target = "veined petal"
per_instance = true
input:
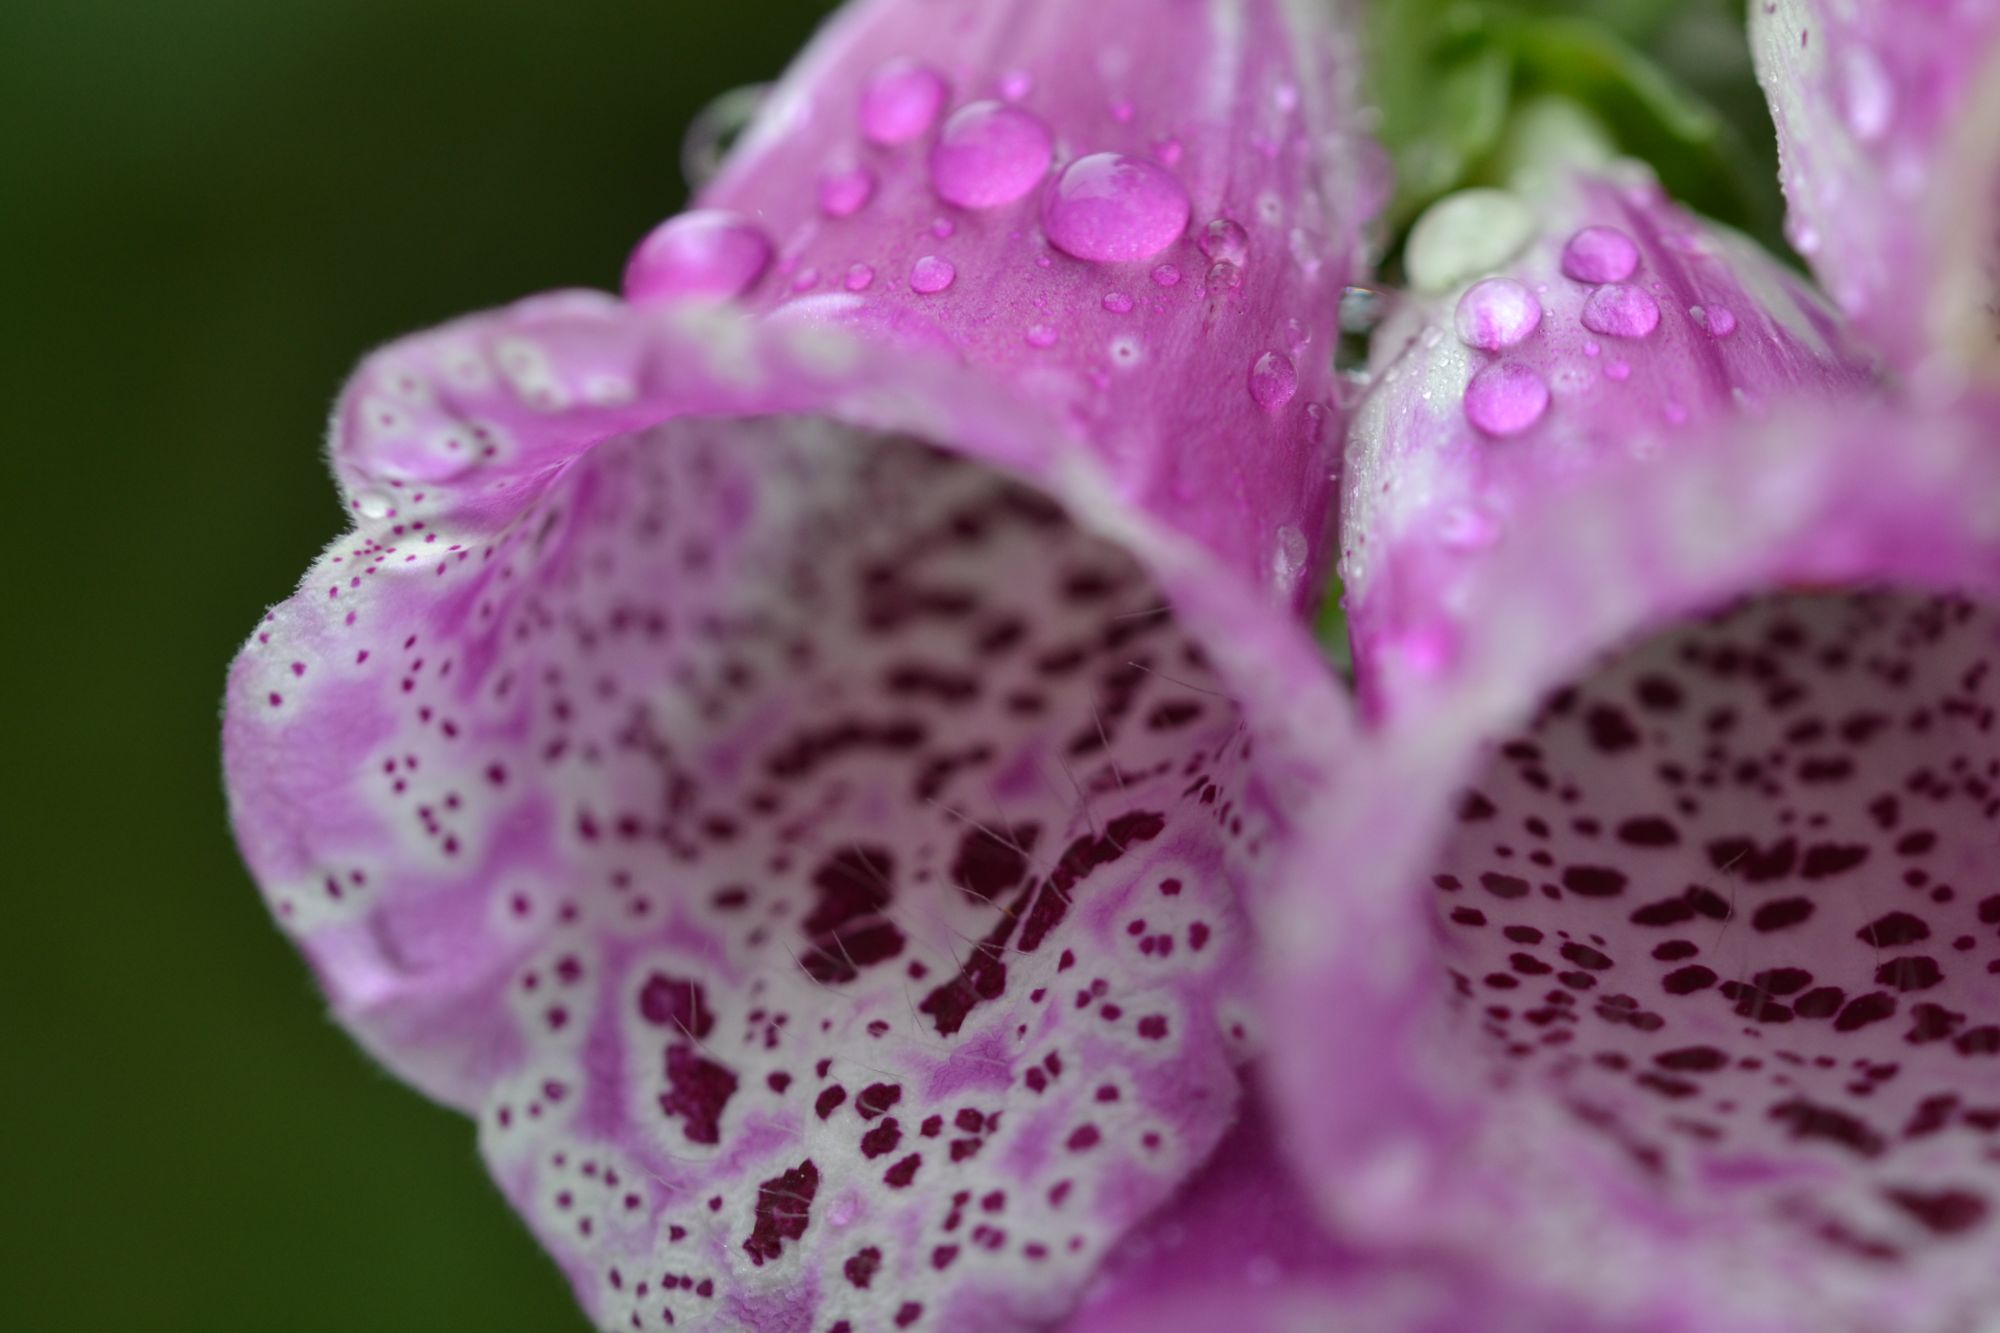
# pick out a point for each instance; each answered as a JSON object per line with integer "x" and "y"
{"x": 790, "y": 771}
{"x": 1689, "y": 985}
{"x": 1891, "y": 167}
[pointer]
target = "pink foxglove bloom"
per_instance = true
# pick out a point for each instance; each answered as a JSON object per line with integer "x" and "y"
{"x": 787, "y": 750}
{"x": 1889, "y": 126}
{"x": 1648, "y": 954}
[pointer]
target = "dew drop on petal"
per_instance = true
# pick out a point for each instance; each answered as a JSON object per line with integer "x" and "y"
{"x": 859, "y": 277}
{"x": 708, "y": 252}
{"x": 1273, "y": 380}
{"x": 931, "y": 275}
{"x": 1224, "y": 241}
{"x": 1167, "y": 150}
{"x": 1506, "y": 398}
{"x": 900, "y": 101}
{"x": 989, "y": 154}
{"x": 1222, "y": 276}
{"x": 1719, "y": 320}
{"x": 1497, "y": 313}
{"x": 1167, "y": 275}
{"x": 1111, "y": 208}
{"x": 1117, "y": 303}
{"x": 1041, "y": 335}
{"x": 1620, "y": 311}
{"x": 845, "y": 191}
{"x": 943, "y": 228}
{"x": 1599, "y": 254}
{"x": 1016, "y": 84}
{"x": 1617, "y": 370}
{"x": 1867, "y": 98}
{"x": 806, "y": 280}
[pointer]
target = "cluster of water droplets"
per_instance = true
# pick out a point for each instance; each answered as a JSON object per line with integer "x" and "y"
{"x": 987, "y": 154}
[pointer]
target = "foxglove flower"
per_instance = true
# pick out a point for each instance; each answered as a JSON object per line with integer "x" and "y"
{"x": 1672, "y": 991}
{"x": 784, "y": 749}
{"x": 1886, "y": 121}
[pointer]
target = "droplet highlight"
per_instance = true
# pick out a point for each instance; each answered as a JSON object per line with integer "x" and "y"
{"x": 931, "y": 275}
{"x": 989, "y": 154}
{"x": 845, "y": 191}
{"x": 1505, "y": 399}
{"x": 1112, "y": 208}
{"x": 1620, "y": 311}
{"x": 708, "y": 252}
{"x": 1599, "y": 255}
{"x": 900, "y": 101}
{"x": 1273, "y": 380}
{"x": 1719, "y": 321}
{"x": 1224, "y": 241}
{"x": 1497, "y": 313}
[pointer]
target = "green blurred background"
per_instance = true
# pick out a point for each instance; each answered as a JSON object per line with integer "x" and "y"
{"x": 208, "y": 210}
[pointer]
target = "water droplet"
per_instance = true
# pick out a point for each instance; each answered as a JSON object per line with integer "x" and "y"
{"x": 1497, "y": 314}
{"x": 1288, "y": 560}
{"x": 1224, "y": 240}
{"x": 1599, "y": 254}
{"x": 1506, "y": 398}
{"x": 1126, "y": 351}
{"x": 1222, "y": 277}
{"x": 1121, "y": 111}
{"x": 708, "y": 252}
{"x": 1469, "y": 527}
{"x": 1619, "y": 311}
{"x": 943, "y": 228}
{"x": 807, "y": 279}
{"x": 1113, "y": 208}
{"x": 1273, "y": 381}
{"x": 900, "y": 101}
{"x": 931, "y": 275}
{"x": 1617, "y": 370}
{"x": 1167, "y": 150}
{"x": 1016, "y": 84}
{"x": 1166, "y": 275}
{"x": 859, "y": 277}
{"x": 1719, "y": 320}
{"x": 1117, "y": 303}
{"x": 1360, "y": 310}
{"x": 844, "y": 192}
{"x": 989, "y": 154}
{"x": 1041, "y": 335}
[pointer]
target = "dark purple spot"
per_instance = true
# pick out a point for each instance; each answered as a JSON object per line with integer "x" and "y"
{"x": 783, "y": 1205}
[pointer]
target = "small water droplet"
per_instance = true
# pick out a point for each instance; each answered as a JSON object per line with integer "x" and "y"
{"x": 1122, "y": 111}
{"x": 1592, "y": 348}
{"x": 900, "y": 101}
{"x": 930, "y": 275}
{"x": 1040, "y": 335}
{"x": 1222, "y": 277}
{"x": 1224, "y": 240}
{"x": 1617, "y": 370}
{"x": 1719, "y": 320}
{"x": 1273, "y": 380}
{"x": 1117, "y": 303}
{"x": 1620, "y": 311}
{"x": 1469, "y": 527}
{"x": 708, "y": 252}
{"x": 1599, "y": 254}
{"x": 1167, "y": 150}
{"x": 989, "y": 154}
{"x": 1867, "y": 98}
{"x": 859, "y": 277}
{"x": 1496, "y": 314}
{"x": 1111, "y": 208}
{"x": 1166, "y": 275}
{"x": 1286, "y": 96}
{"x": 1016, "y": 84}
{"x": 1506, "y": 398}
{"x": 844, "y": 192}
{"x": 943, "y": 228}
{"x": 1288, "y": 560}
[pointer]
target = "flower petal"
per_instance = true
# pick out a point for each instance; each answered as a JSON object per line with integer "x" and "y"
{"x": 1891, "y": 167}
{"x": 791, "y": 774}
{"x": 1693, "y": 974}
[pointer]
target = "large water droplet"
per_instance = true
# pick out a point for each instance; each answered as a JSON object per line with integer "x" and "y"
{"x": 1113, "y": 208}
{"x": 708, "y": 252}
{"x": 1225, "y": 241}
{"x": 1506, "y": 398}
{"x": 845, "y": 191}
{"x": 930, "y": 275}
{"x": 1620, "y": 311}
{"x": 1719, "y": 320}
{"x": 900, "y": 101}
{"x": 1497, "y": 314}
{"x": 1273, "y": 380}
{"x": 1599, "y": 254}
{"x": 989, "y": 154}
